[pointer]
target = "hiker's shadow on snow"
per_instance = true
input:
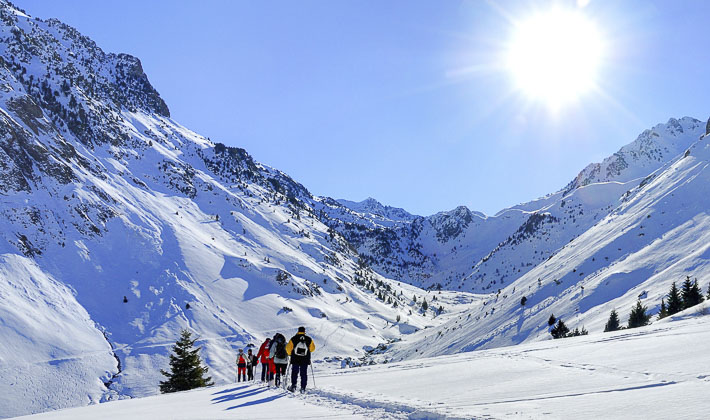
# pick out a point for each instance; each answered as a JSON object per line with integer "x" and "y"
{"x": 224, "y": 391}
{"x": 256, "y": 402}
{"x": 231, "y": 397}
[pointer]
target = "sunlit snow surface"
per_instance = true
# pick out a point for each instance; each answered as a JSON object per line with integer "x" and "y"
{"x": 656, "y": 372}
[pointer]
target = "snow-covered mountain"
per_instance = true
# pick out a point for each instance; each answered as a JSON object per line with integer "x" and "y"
{"x": 658, "y": 234}
{"x": 378, "y": 211}
{"x": 469, "y": 251}
{"x": 119, "y": 227}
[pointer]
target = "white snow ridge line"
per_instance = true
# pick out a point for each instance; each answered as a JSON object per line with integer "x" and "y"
{"x": 396, "y": 409}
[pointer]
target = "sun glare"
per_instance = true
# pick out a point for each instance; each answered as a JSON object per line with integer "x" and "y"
{"x": 554, "y": 56}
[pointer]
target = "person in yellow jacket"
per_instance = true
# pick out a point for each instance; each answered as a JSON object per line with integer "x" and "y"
{"x": 300, "y": 347}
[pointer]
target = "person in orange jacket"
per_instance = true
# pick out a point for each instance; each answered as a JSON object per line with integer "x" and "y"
{"x": 263, "y": 356}
{"x": 300, "y": 348}
{"x": 241, "y": 366}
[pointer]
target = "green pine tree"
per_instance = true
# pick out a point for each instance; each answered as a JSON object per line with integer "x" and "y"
{"x": 186, "y": 370}
{"x": 691, "y": 293}
{"x": 551, "y": 320}
{"x": 560, "y": 330}
{"x": 425, "y": 305}
{"x": 613, "y": 323}
{"x": 664, "y": 311}
{"x": 638, "y": 317}
{"x": 675, "y": 302}
{"x": 708, "y": 291}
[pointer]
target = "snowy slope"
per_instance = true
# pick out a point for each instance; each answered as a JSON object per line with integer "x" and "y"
{"x": 658, "y": 235}
{"x": 469, "y": 251}
{"x": 655, "y": 372}
{"x": 48, "y": 342}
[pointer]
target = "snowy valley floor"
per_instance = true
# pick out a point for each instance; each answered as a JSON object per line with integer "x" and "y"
{"x": 656, "y": 372}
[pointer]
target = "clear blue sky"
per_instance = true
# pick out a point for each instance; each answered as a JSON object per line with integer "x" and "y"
{"x": 399, "y": 100}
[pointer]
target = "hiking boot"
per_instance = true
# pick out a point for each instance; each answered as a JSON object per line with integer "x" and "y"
{"x": 291, "y": 388}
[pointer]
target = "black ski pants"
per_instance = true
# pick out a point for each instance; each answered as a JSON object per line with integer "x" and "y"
{"x": 280, "y": 371}
{"x": 303, "y": 370}
{"x": 264, "y": 371}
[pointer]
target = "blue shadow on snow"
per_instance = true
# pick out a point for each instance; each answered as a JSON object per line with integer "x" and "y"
{"x": 232, "y": 397}
{"x": 255, "y": 402}
{"x": 224, "y": 391}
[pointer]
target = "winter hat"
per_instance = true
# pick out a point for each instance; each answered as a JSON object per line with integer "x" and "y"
{"x": 302, "y": 329}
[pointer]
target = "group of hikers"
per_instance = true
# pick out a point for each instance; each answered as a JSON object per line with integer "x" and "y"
{"x": 275, "y": 354}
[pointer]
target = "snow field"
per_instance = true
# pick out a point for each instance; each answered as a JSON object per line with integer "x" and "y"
{"x": 657, "y": 372}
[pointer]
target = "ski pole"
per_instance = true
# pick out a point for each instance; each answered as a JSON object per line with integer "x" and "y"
{"x": 313, "y": 375}
{"x": 286, "y": 373}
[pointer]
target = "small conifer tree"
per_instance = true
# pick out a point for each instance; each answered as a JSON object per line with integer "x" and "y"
{"x": 425, "y": 305}
{"x": 560, "y": 330}
{"x": 523, "y": 301}
{"x": 551, "y": 320}
{"x": 186, "y": 370}
{"x": 613, "y": 323}
{"x": 708, "y": 291}
{"x": 675, "y": 302}
{"x": 664, "y": 310}
{"x": 691, "y": 293}
{"x": 638, "y": 317}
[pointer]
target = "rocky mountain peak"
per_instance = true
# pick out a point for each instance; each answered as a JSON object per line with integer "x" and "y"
{"x": 651, "y": 149}
{"x": 82, "y": 89}
{"x": 373, "y": 207}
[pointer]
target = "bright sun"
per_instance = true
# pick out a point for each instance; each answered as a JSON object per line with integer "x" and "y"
{"x": 554, "y": 56}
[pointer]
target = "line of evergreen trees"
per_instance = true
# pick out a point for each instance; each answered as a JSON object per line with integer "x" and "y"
{"x": 689, "y": 296}
{"x": 560, "y": 330}
{"x": 675, "y": 301}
